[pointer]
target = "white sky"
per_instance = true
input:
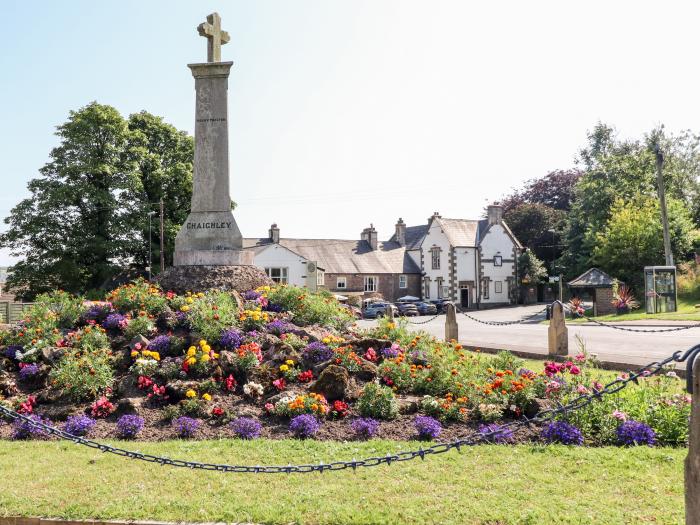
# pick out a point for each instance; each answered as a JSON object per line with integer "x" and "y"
{"x": 344, "y": 113}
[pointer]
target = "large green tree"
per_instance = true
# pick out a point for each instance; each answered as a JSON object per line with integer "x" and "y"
{"x": 86, "y": 216}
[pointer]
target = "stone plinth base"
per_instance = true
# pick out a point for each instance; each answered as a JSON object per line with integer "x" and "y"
{"x": 213, "y": 257}
{"x": 181, "y": 279}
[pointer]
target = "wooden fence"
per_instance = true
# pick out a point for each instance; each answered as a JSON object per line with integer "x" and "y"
{"x": 11, "y": 312}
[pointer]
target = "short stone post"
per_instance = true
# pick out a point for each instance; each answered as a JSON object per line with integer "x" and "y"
{"x": 390, "y": 313}
{"x": 451, "y": 327}
{"x": 558, "y": 333}
{"x": 692, "y": 461}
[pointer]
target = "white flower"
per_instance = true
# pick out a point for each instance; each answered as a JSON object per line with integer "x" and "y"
{"x": 253, "y": 389}
{"x": 672, "y": 374}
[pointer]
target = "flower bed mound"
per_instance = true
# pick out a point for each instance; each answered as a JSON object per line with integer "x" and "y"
{"x": 280, "y": 362}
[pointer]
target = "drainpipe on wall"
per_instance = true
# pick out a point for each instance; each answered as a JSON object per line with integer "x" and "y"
{"x": 477, "y": 277}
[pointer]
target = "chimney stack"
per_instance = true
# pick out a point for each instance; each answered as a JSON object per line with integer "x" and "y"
{"x": 274, "y": 234}
{"x": 495, "y": 214}
{"x": 370, "y": 235}
{"x": 401, "y": 232}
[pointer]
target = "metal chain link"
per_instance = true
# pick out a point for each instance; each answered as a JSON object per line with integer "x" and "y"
{"x": 504, "y": 323}
{"x": 578, "y": 315}
{"x": 423, "y": 322}
{"x": 439, "y": 448}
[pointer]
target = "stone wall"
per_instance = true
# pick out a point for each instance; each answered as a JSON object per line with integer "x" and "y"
{"x": 603, "y": 301}
{"x": 388, "y": 285}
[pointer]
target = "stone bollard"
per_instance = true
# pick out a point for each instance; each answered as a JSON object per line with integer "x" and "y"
{"x": 558, "y": 333}
{"x": 390, "y": 313}
{"x": 692, "y": 461}
{"x": 451, "y": 327}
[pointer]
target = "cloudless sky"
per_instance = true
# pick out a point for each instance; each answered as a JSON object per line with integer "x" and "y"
{"x": 343, "y": 113}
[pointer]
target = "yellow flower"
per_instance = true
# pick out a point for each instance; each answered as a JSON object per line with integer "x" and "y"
{"x": 191, "y": 351}
{"x": 284, "y": 368}
{"x": 134, "y": 353}
{"x": 189, "y": 300}
{"x": 191, "y": 393}
{"x": 289, "y": 362}
{"x": 216, "y": 356}
{"x": 184, "y": 308}
{"x": 191, "y": 360}
{"x": 200, "y": 294}
{"x": 206, "y": 348}
{"x": 326, "y": 340}
{"x": 205, "y": 358}
{"x": 206, "y": 397}
{"x": 202, "y": 342}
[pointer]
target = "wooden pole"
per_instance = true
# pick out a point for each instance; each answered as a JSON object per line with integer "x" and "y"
{"x": 662, "y": 202}
{"x": 162, "y": 239}
{"x": 692, "y": 461}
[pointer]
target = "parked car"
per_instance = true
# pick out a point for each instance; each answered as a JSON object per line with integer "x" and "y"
{"x": 426, "y": 308}
{"x": 440, "y": 304}
{"x": 375, "y": 310}
{"x": 407, "y": 309}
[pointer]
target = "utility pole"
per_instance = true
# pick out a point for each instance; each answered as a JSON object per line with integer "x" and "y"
{"x": 662, "y": 201}
{"x": 162, "y": 240}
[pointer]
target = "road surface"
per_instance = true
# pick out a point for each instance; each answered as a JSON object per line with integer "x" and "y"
{"x": 531, "y": 337}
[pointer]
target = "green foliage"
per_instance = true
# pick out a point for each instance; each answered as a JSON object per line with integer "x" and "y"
{"x": 378, "y": 402}
{"x": 530, "y": 268}
{"x": 83, "y": 375}
{"x": 139, "y": 325}
{"x": 59, "y": 306}
{"x": 212, "y": 312}
{"x": 310, "y": 308}
{"x": 87, "y": 213}
{"x": 138, "y": 296}
{"x": 632, "y": 237}
{"x": 533, "y": 225}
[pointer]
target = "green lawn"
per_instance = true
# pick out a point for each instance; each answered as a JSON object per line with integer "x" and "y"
{"x": 495, "y": 485}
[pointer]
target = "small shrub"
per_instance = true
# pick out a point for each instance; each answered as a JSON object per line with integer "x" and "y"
{"x": 505, "y": 360}
{"x": 246, "y": 427}
{"x": 378, "y": 402}
{"x": 160, "y": 344}
{"x": 115, "y": 322}
{"x": 317, "y": 352}
{"x": 28, "y": 372}
{"x": 562, "y": 432}
{"x": 304, "y": 426}
{"x": 79, "y": 425}
{"x": 139, "y": 325}
{"x": 186, "y": 427}
{"x": 83, "y": 375}
{"x": 364, "y": 427}
{"x": 63, "y": 307}
{"x": 309, "y": 308}
{"x": 128, "y": 426}
{"x": 138, "y": 296}
{"x": 427, "y": 427}
{"x": 211, "y": 313}
{"x": 633, "y": 433}
{"x": 231, "y": 339}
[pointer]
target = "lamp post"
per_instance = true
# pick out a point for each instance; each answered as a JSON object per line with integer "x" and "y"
{"x": 150, "y": 248}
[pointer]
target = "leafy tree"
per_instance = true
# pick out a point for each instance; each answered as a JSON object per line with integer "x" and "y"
{"x": 85, "y": 218}
{"x": 554, "y": 190}
{"x": 530, "y": 268}
{"x": 537, "y": 227}
{"x": 632, "y": 237}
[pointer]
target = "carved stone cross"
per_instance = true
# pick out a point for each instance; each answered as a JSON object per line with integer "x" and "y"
{"x": 215, "y": 36}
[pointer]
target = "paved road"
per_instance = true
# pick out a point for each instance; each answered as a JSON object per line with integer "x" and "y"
{"x": 610, "y": 345}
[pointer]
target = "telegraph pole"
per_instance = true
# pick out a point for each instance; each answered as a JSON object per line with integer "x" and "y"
{"x": 162, "y": 240}
{"x": 662, "y": 201}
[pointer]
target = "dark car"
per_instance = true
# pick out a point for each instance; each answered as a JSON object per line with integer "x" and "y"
{"x": 407, "y": 309}
{"x": 375, "y": 310}
{"x": 440, "y": 304}
{"x": 426, "y": 308}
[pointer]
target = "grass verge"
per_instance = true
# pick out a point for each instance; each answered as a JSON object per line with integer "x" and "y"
{"x": 492, "y": 484}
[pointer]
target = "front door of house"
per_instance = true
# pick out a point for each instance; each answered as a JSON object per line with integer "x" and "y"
{"x": 464, "y": 297}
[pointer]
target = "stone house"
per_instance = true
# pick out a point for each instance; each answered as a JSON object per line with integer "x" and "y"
{"x": 354, "y": 268}
{"x": 470, "y": 262}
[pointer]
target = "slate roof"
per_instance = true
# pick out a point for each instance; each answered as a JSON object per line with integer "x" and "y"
{"x": 414, "y": 236}
{"x": 461, "y": 232}
{"x": 593, "y": 278}
{"x": 346, "y": 256}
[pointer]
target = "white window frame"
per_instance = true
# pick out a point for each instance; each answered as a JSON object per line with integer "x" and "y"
{"x": 341, "y": 283}
{"x": 498, "y": 287}
{"x": 371, "y": 283}
{"x": 320, "y": 278}
{"x": 435, "y": 258}
{"x": 498, "y": 260}
{"x": 282, "y": 278}
{"x": 403, "y": 281}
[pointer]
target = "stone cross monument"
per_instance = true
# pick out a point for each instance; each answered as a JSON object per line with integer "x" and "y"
{"x": 210, "y": 235}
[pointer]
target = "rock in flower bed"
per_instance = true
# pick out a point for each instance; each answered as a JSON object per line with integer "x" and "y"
{"x": 279, "y": 361}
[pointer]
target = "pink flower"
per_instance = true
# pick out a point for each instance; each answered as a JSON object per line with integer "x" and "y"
{"x": 620, "y": 416}
{"x": 574, "y": 370}
{"x": 622, "y": 377}
{"x": 371, "y": 355}
{"x": 580, "y": 358}
{"x": 597, "y": 385}
{"x": 269, "y": 407}
{"x": 280, "y": 384}
{"x": 137, "y": 346}
{"x": 582, "y": 389}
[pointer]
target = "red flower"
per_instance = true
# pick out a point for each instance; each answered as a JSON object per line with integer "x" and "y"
{"x": 217, "y": 411}
{"x": 144, "y": 383}
{"x": 280, "y": 384}
{"x": 371, "y": 355}
{"x": 305, "y": 377}
{"x": 230, "y": 383}
{"x": 340, "y": 409}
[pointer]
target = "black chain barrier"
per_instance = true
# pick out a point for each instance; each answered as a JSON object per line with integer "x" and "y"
{"x": 422, "y": 322}
{"x": 439, "y": 448}
{"x": 578, "y": 315}
{"x": 505, "y": 323}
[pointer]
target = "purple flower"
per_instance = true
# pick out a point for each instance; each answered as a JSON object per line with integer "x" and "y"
{"x": 79, "y": 425}
{"x": 114, "y": 322}
{"x": 496, "y": 433}
{"x": 279, "y": 327}
{"x": 11, "y": 351}
{"x": 275, "y": 308}
{"x": 98, "y": 312}
{"x": 186, "y": 426}
{"x": 562, "y": 432}
{"x": 635, "y": 433}
{"x": 23, "y": 429}
{"x": 525, "y": 372}
{"x": 391, "y": 352}
{"x": 317, "y": 352}
{"x": 364, "y": 427}
{"x": 28, "y": 372}
{"x": 427, "y": 427}
{"x": 251, "y": 295}
{"x": 160, "y": 344}
{"x": 231, "y": 339}
{"x": 304, "y": 426}
{"x": 129, "y": 425}
{"x": 418, "y": 357}
{"x": 246, "y": 427}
